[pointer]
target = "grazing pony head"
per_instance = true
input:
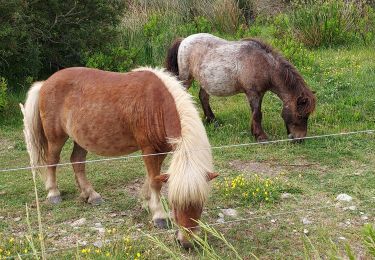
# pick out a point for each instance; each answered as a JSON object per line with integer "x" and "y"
{"x": 186, "y": 215}
{"x": 300, "y": 103}
{"x": 298, "y": 100}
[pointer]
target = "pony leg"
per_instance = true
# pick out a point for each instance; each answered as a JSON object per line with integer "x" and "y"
{"x": 152, "y": 192}
{"x": 205, "y": 101}
{"x": 53, "y": 157}
{"x": 255, "y": 100}
{"x": 87, "y": 191}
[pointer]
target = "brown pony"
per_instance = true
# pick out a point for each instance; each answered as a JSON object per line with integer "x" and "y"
{"x": 225, "y": 68}
{"x": 114, "y": 114}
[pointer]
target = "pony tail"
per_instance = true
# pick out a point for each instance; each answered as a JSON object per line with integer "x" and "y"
{"x": 35, "y": 139}
{"x": 171, "y": 62}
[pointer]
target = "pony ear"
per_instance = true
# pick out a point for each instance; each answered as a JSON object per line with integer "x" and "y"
{"x": 302, "y": 104}
{"x": 212, "y": 175}
{"x": 162, "y": 177}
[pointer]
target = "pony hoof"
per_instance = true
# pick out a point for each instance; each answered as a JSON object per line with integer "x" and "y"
{"x": 161, "y": 223}
{"x": 54, "y": 199}
{"x": 185, "y": 244}
{"x": 261, "y": 139}
{"x": 96, "y": 201}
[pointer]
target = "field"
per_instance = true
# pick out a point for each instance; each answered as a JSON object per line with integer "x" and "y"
{"x": 301, "y": 218}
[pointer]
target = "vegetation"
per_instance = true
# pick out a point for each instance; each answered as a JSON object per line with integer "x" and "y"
{"x": 336, "y": 58}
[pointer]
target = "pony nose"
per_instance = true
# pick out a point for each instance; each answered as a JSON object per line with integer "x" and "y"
{"x": 185, "y": 244}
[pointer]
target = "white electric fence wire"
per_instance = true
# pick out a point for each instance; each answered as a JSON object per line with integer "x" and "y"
{"x": 371, "y": 131}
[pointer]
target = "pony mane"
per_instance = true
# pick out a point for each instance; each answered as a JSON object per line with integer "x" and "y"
{"x": 290, "y": 76}
{"x": 192, "y": 158}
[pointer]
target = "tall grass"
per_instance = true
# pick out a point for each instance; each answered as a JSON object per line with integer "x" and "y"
{"x": 329, "y": 22}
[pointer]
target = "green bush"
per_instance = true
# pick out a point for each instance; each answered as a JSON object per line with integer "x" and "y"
{"x": 115, "y": 59}
{"x": 328, "y": 22}
{"x": 39, "y": 37}
{"x": 3, "y": 93}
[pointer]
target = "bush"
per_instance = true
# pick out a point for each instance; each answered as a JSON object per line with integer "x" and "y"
{"x": 115, "y": 59}
{"x": 3, "y": 93}
{"x": 328, "y": 22}
{"x": 39, "y": 37}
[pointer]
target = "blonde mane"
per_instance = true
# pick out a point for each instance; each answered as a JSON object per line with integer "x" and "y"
{"x": 192, "y": 158}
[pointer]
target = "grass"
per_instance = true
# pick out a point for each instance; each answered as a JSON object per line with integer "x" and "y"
{"x": 314, "y": 173}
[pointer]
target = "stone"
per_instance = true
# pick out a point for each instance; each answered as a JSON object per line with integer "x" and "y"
{"x": 220, "y": 220}
{"x": 221, "y": 215}
{"x": 305, "y": 221}
{"x": 350, "y": 208}
{"x": 305, "y": 231}
{"x": 17, "y": 219}
{"x": 286, "y": 195}
{"x": 230, "y": 212}
{"x": 98, "y": 244}
{"x": 344, "y": 197}
{"x": 78, "y": 222}
{"x": 82, "y": 243}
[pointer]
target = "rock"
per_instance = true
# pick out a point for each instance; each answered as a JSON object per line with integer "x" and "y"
{"x": 342, "y": 238}
{"x": 3, "y": 192}
{"x": 305, "y": 221}
{"x": 350, "y": 208}
{"x": 305, "y": 231}
{"x": 112, "y": 215}
{"x": 221, "y": 215}
{"x": 286, "y": 195}
{"x": 98, "y": 224}
{"x": 82, "y": 242}
{"x": 220, "y": 220}
{"x": 17, "y": 219}
{"x": 123, "y": 213}
{"x": 78, "y": 222}
{"x": 273, "y": 220}
{"x": 230, "y": 212}
{"x": 344, "y": 197}
{"x": 98, "y": 244}
{"x": 364, "y": 217}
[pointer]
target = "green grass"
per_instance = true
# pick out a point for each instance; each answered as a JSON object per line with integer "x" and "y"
{"x": 315, "y": 171}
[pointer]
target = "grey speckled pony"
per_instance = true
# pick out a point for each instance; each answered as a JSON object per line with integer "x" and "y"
{"x": 225, "y": 68}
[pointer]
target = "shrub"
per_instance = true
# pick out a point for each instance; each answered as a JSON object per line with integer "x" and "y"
{"x": 116, "y": 59}
{"x": 327, "y": 22}
{"x": 3, "y": 93}
{"x": 39, "y": 37}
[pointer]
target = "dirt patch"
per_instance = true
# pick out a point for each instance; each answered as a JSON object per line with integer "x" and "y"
{"x": 5, "y": 145}
{"x": 266, "y": 169}
{"x": 272, "y": 168}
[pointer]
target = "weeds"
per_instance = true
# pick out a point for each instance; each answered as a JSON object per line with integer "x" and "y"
{"x": 251, "y": 191}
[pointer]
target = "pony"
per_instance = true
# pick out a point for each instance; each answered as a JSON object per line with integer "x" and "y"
{"x": 225, "y": 68}
{"x": 114, "y": 114}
